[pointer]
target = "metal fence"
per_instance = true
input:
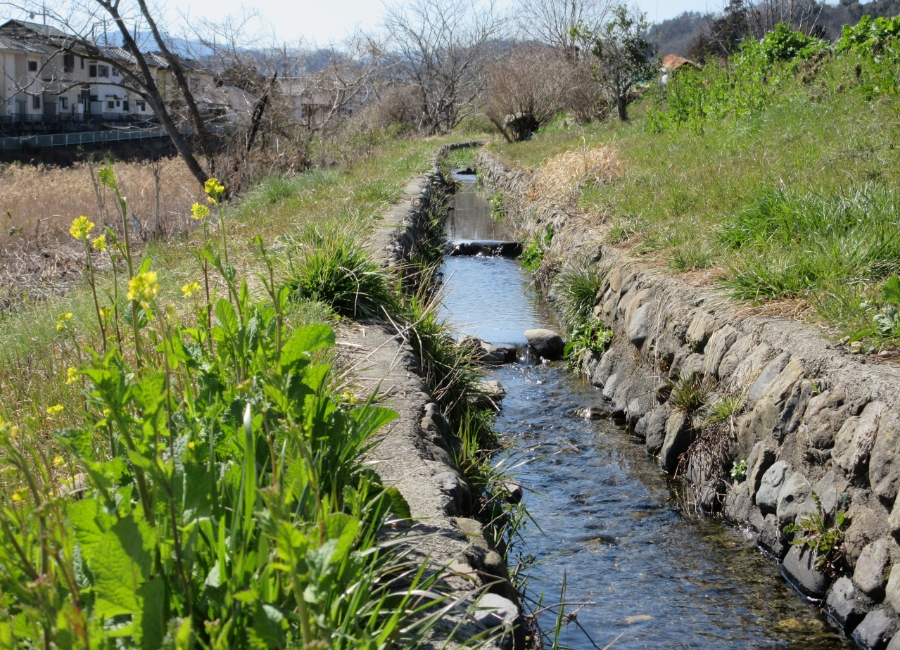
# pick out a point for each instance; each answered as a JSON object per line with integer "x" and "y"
{"x": 76, "y": 139}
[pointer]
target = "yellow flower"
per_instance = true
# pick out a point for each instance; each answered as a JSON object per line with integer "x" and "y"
{"x": 190, "y": 289}
{"x": 199, "y": 211}
{"x": 143, "y": 287}
{"x": 81, "y": 228}
{"x": 106, "y": 412}
{"x": 54, "y": 410}
{"x": 71, "y": 375}
{"x": 17, "y": 497}
{"x": 191, "y": 445}
{"x": 99, "y": 243}
{"x": 62, "y": 321}
{"x": 105, "y": 312}
{"x": 58, "y": 461}
{"x": 214, "y": 189}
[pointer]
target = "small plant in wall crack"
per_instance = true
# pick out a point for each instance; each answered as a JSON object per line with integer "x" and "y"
{"x": 823, "y": 534}
{"x": 689, "y": 392}
{"x": 536, "y": 248}
{"x": 739, "y": 470}
{"x": 587, "y": 336}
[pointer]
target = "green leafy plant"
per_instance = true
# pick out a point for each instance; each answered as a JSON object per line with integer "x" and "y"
{"x": 689, "y": 393}
{"x": 823, "y": 534}
{"x": 587, "y": 336}
{"x": 537, "y": 246}
{"x": 739, "y": 470}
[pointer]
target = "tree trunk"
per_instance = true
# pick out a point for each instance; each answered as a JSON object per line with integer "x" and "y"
{"x": 622, "y": 107}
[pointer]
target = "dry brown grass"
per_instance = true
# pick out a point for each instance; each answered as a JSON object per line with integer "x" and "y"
{"x": 37, "y": 205}
{"x": 561, "y": 178}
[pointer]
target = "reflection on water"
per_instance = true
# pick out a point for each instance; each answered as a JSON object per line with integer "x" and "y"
{"x": 471, "y": 215}
{"x": 609, "y": 521}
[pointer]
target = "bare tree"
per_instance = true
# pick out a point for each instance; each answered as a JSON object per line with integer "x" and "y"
{"x": 526, "y": 88}
{"x": 77, "y": 19}
{"x": 441, "y": 49}
{"x": 551, "y": 21}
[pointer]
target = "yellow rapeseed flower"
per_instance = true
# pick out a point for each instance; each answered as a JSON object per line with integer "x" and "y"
{"x": 81, "y": 228}
{"x": 143, "y": 287}
{"x": 16, "y": 497}
{"x": 61, "y": 322}
{"x": 54, "y": 410}
{"x": 199, "y": 211}
{"x": 71, "y": 375}
{"x": 105, "y": 313}
{"x": 191, "y": 445}
{"x": 58, "y": 461}
{"x": 214, "y": 189}
{"x": 99, "y": 243}
{"x": 190, "y": 289}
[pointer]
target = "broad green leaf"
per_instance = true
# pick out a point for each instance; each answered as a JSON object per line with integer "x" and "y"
{"x": 91, "y": 522}
{"x": 305, "y": 340}
{"x": 891, "y": 290}
{"x": 399, "y": 506}
{"x": 150, "y": 619}
{"x": 342, "y": 528}
{"x": 372, "y": 418}
{"x": 268, "y": 626}
{"x": 121, "y": 562}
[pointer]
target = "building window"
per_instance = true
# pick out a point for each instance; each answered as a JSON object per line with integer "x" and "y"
{"x": 115, "y": 72}
{"x": 142, "y": 106}
{"x": 110, "y": 104}
{"x": 35, "y": 102}
{"x": 32, "y": 66}
{"x": 92, "y": 71}
{"x": 103, "y": 71}
{"x": 68, "y": 63}
{"x": 64, "y": 103}
{"x": 82, "y": 62}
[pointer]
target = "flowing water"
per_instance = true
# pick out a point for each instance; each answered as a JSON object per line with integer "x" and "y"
{"x": 608, "y": 524}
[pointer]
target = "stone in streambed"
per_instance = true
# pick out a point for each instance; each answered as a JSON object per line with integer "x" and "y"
{"x": 800, "y": 568}
{"x": 876, "y": 629}
{"x": 844, "y": 604}
{"x": 545, "y": 343}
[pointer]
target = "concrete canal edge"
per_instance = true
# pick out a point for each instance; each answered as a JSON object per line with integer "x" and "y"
{"x": 415, "y": 452}
{"x": 817, "y": 420}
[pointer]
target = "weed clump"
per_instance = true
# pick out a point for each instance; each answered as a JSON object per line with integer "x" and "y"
{"x": 329, "y": 264}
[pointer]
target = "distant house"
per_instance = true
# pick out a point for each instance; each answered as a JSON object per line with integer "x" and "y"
{"x": 48, "y": 75}
{"x": 671, "y": 63}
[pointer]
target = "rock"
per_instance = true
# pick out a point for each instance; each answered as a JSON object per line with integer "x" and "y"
{"x": 750, "y": 364}
{"x": 496, "y": 355}
{"x": 793, "y": 410}
{"x": 738, "y": 503}
{"x": 656, "y": 428}
{"x": 611, "y": 385}
{"x": 832, "y": 490}
{"x": 825, "y": 414}
{"x": 765, "y": 381}
{"x": 770, "y": 487}
{"x": 869, "y": 572}
{"x": 513, "y": 492}
{"x": 894, "y": 520}
{"x": 735, "y": 355}
{"x": 854, "y": 441}
{"x": 876, "y": 629}
{"x": 638, "y": 407}
{"x": 639, "y": 325}
{"x": 640, "y": 427}
{"x": 761, "y": 458}
{"x": 604, "y": 369}
{"x": 864, "y": 528}
{"x": 719, "y": 344}
{"x": 488, "y": 396}
{"x": 711, "y": 493}
{"x": 884, "y": 461}
{"x": 842, "y": 603}
{"x": 615, "y": 279}
{"x": 456, "y": 487}
{"x": 793, "y": 494}
{"x": 800, "y": 568}
{"x": 895, "y": 642}
{"x": 770, "y": 536}
{"x": 495, "y": 611}
{"x": 545, "y": 343}
{"x": 892, "y": 591}
{"x": 699, "y": 330}
{"x": 678, "y": 439}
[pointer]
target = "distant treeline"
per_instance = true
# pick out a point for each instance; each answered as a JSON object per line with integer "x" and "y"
{"x": 685, "y": 33}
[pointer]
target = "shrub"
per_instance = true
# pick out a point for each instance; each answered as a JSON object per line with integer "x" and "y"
{"x": 329, "y": 264}
{"x": 824, "y": 535}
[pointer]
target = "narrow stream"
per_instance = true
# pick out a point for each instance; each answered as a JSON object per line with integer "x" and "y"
{"x": 610, "y": 525}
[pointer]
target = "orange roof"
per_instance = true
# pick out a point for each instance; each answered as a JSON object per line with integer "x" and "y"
{"x": 673, "y": 62}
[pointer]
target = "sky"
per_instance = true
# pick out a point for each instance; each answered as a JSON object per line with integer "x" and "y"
{"x": 324, "y": 21}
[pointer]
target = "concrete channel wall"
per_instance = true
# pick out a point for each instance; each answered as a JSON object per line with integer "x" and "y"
{"x": 416, "y": 454}
{"x": 816, "y": 420}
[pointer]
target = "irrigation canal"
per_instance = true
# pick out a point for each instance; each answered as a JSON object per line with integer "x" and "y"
{"x": 608, "y": 521}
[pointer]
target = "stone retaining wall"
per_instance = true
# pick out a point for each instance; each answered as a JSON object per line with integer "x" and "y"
{"x": 816, "y": 419}
{"x": 416, "y": 452}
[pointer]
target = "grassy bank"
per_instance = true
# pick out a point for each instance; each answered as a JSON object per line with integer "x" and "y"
{"x": 773, "y": 179}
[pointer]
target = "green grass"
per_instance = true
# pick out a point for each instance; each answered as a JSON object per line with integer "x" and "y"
{"x": 795, "y": 200}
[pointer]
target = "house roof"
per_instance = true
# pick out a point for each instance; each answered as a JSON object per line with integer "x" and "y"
{"x": 17, "y": 27}
{"x": 672, "y": 62}
{"x": 16, "y": 45}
